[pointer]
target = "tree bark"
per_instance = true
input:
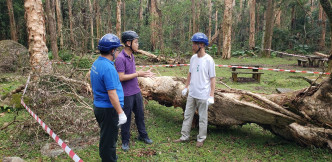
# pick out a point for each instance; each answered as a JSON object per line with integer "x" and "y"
{"x": 52, "y": 28}
{"x": 278, "y": 17}
{"x": 227, "y": 30}
{"x": 91, "y": 25}
{"x": 59, "y": 21}
{"x": 140, "y": 14}
{"x": 34, "y": 15}
{"x": 322, "y": 24}
{"x": 327, "y": 6}
{"x": 198, "y": 15}
{"x": 216, "y": 22}
{"x": 306, "y": 120}
{"x": 193, "y": 12}
{"x": 109, "y": 18}
{"x": 13, "y": 32}
{"x": 70, "y": 17}
{"x": 118, "y": 18}
{"x": 124, "y": 15}
{"x": 190, "y": 29}
{"x": 252, "y": 24}
{"x": 268, "y": 29}
{"x": 153, "y": 25}
{"x": 156, "y": 26}
{"x": 97, "y": 9}
{"x": 210, "y": 20}
{"x": 241, "y": 10}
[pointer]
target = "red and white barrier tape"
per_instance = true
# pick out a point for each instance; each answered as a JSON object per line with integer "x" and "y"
{"x": 143, "y": 66}
{"x": 241, "y": 67}
{"x": 284, "y": 70}
{"x": 63, "y": 145}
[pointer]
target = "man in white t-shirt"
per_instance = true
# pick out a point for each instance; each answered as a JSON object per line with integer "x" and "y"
{"x": 201, "y": 81}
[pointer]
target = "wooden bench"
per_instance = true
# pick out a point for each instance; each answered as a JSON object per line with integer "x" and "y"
{"x": 321, "y": 62}
{"x": 302, "y": 62}
{"x": 255, "y": 75}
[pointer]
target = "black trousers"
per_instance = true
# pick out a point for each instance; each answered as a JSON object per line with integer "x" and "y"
{"x": 133, "y": 103}
{"x": 107, "y": 119}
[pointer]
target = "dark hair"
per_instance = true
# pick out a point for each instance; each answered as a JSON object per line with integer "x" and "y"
{"x": 107, "y": 52}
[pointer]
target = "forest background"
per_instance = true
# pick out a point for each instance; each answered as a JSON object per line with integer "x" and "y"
{"x": 165, "y": 27}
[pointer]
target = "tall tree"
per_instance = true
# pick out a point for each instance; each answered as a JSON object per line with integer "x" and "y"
{"x": 241, "y": 11}
{"x": 198, "y": 14}
{"x": 193, "y": 11}
{"x": 278, "y": 16}
{"x": 327, "y": 6}
{"x": 252, "y": 24}
{"x": 123, "y": 15}
{"x": 59, "y": 21}
{"x": 155, "y": 26}
{"x": 70, "y": 17}
{"x": 268, "y": 29}
{"x": 140, "y": 15}
{"x": 216, "y": 21}
{"x": 34, "y": 15}
{"x": 109, "y": 18}
{"x": 227, "y": 28}
{"x": 118, "y": 18}
{"x": 322, "y": 24}
{"x": 52, "y": 27}
{"x": 91, "y": 25}
{"x": 210, "y": 20}
{"x": 13, "y": 32}
{"x": 97, "y": 9}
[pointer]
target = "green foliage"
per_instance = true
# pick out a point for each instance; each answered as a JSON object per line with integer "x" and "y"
{"x": 243, "y": 53}
{"x": 16, "y": 101}
{"x": 82, "y": 62}
{"x": 65, "y": 55}
{"x": 212, "y": 50}
{"x": 50, "y": 55}
{"x": 6, "y": 108}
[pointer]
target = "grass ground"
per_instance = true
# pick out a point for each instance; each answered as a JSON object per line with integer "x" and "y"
{"x": 238, "y": 143}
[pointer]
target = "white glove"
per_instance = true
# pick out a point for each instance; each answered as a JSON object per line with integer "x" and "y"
{"x": 184, "y": 91}
{"x": 210, "y": 101}
{"x": 122, "y": 118}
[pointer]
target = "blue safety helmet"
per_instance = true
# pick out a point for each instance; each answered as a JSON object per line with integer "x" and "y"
{"x": 108, "y": 42}
{"x": 200, "y": 37}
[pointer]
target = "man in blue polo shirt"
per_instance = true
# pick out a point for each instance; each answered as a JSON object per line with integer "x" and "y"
{"x": 107, "y": 97}
{"x": 133, "y": 101}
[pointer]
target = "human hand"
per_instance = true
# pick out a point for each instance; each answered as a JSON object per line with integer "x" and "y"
{"x": 122, "y": 118}
{"x": 145, "y": 73}
{"x": 210, "y": 101}
{"x": 184, "y": 91}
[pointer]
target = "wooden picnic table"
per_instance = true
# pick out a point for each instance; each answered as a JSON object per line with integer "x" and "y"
{"x": 255, "y": 74}
{"x": 312, "y": 61}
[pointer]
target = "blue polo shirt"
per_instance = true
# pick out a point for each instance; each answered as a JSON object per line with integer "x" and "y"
{"x": 104, "y": 77}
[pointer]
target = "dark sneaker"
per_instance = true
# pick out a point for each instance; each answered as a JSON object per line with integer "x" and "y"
{"x": 199, "y": 144}
{"x": 147, "y": 140}
{"x": 125, "y": 146}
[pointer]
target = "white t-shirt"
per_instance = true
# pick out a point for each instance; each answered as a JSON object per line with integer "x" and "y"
{"x": 202, "y": 69}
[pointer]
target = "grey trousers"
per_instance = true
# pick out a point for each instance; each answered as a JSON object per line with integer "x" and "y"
{"x": 191, "y": 106}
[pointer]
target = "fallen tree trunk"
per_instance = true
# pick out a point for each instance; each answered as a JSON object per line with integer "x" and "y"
{"x": 304, "y": 116}
{"x": 155, "y": 58}
{"x": 321, "y": 54}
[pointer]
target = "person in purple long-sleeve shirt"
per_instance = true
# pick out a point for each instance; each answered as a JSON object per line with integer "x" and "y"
{"x": 133, "y": 101}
